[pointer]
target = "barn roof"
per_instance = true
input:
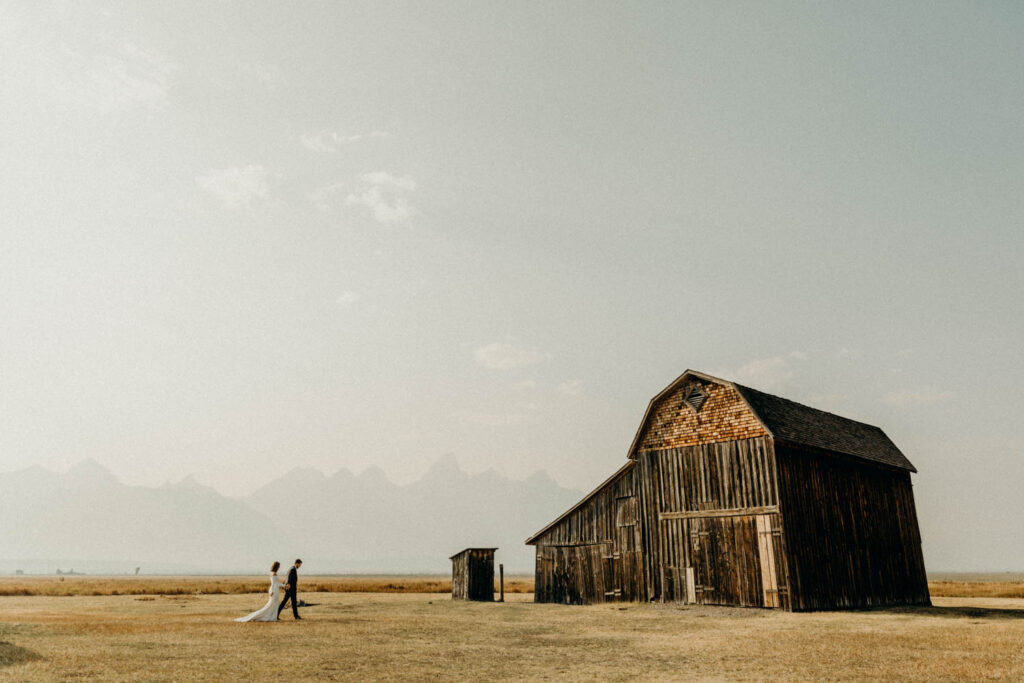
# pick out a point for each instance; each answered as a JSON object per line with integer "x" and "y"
{"x": 618, "y": 473}
{"x": 794, "y": 423}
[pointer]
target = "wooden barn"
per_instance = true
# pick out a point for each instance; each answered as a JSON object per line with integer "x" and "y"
{"x": 731, "y": 496}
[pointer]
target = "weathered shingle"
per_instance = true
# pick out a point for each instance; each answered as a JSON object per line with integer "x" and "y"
{"x": 805, "y": 426}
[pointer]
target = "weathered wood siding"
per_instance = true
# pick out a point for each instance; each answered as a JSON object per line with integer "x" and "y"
{"x": 851, "y": 532}
{"x": 594, "y": 554}
{"x": 724, "y": 416}
{"x": 473, "y": 575}
{"x": 711, "y": 524}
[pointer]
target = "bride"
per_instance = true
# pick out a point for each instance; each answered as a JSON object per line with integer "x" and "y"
{"x": 269, "y": 611}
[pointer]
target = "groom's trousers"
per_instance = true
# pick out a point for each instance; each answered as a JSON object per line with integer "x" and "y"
{"x": 295, "y": 604}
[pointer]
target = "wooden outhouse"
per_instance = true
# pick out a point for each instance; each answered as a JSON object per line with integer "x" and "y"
{"x": 731, "y": 496}
{"x": 473, "y": 574}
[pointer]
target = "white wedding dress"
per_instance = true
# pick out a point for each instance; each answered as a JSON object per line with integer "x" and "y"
{"x": 269, "y": 611}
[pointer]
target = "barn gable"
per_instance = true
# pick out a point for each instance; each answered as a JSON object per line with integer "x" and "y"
{"x": 698, "y": 408}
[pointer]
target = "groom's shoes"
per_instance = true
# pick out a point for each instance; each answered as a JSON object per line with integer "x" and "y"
{"x": 298, "y": 617}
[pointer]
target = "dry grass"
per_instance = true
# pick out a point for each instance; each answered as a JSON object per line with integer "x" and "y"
{"x": 976, "y": 589}
{"x": 361, "y": 636}
{"x": 230, "y": 585}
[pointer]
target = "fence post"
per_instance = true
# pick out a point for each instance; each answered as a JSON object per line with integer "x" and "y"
{"x": 501, "y": 582}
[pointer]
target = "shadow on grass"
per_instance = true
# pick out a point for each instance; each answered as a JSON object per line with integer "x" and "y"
{"x": 954, "y": 612}
{"x": 11, "y": 654}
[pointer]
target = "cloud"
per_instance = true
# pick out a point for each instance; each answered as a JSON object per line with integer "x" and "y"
{"x": 118, "y": 77}
{"x": 500, "y": 356}
{"x": 385, "y": 178}
{"x": 77, "y": 66}
{"x": 572, "y": 387}
{"x": 914, "y": 398}
{"x": 488, "y": 419}
{"x": 236, "y": 186}
{"x": 388, "y": 212}
{"x": 385, "y": 196}
{"x": 768, "y": 374}
{"x": 330, "y": 141}
{"x": 321, "y": 196}
{"x": 347, "y": 299}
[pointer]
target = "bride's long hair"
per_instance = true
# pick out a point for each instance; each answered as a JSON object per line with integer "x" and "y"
{"x": 274, "y": 567}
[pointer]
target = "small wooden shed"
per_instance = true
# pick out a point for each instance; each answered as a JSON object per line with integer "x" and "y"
{"x": 473, "y": 574}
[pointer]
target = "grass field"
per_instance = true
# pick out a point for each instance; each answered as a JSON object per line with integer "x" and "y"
{"x": 232, "y": 585}
{"x": 412, "y": 636}
{"x": 976, "y": 589}
{"x": 943, "y": 585}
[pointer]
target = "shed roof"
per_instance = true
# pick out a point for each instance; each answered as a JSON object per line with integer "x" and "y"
{"x": 794, "y": 423}
{"x": 466, "y": 550}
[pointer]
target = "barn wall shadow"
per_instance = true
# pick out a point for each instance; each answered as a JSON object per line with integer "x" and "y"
{"x": 11, "y": 654}
{"x": 955, "y": 612}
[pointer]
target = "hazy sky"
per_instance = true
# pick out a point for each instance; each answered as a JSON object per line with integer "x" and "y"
{"x": 237, "y": 238}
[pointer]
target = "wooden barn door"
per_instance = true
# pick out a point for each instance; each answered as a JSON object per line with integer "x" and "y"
{"x": 769, "y": 553}
{"x": 628, "y": 570}
{"x": 726, "y": 559}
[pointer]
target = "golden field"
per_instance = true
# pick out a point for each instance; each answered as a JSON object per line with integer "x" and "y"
{"x": 413, "y": 636}
{"x": 976, "y": 589}
{"x": 980, "y": 585}
{"x": 231, "y": 585}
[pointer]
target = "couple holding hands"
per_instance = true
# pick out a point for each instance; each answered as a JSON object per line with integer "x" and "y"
{"x": 272, "y": 610}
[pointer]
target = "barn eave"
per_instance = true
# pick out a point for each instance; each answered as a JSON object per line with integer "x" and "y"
{"x": 532, "y": 540}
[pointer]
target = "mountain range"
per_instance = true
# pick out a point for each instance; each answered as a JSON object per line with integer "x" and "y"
{"x": 346, "y": 523}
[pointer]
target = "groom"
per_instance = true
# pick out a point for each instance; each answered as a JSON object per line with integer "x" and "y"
{"x": 291, "y": 590}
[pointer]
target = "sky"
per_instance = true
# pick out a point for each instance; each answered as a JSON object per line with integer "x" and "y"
{"x": 238, "y": 238}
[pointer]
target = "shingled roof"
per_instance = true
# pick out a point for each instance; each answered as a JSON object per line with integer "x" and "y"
{"x": 802, "y": 425}
{"x": 794, "y": 423}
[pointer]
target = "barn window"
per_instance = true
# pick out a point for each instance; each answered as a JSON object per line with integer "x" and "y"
{"x": 694, "y": 395}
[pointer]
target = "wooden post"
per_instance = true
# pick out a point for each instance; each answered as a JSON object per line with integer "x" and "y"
{"x": 501, "y": 582}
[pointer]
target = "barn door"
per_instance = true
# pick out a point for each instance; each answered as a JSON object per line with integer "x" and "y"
{"x": 766, "y": 541}
{"x": 627, "y": 549}
{"x": 726, "y": 561}
{"x": 610, "y": 569}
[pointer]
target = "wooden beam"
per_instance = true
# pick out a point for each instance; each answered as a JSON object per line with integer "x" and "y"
{"x": 732, "y": 512}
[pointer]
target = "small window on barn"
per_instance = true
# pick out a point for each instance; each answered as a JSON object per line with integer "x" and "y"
{"x": 694, "y": 395}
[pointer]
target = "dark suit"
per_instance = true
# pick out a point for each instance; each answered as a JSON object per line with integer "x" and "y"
{"x": 291, "y": 593}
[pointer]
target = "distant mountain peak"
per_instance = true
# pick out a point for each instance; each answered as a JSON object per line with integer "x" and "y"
{"x": 306, "y": 474}
{"x": 489, "y": 475}
{"x": 541, "y": 477}
{"x": 187, "y": 482}
{"x": 89, "y": 471}
{"x": 343, "y": 475}
{"x": 445, "y": 467}
{"x": 373, "y": 473}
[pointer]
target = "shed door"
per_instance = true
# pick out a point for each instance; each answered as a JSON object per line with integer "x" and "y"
{"x": 726, "y": 561}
